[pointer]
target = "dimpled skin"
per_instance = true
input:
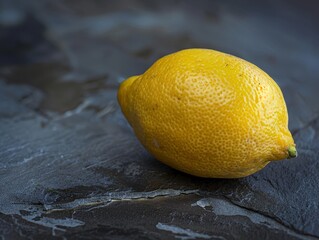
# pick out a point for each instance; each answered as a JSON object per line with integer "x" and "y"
{"x": 208, "y": 114}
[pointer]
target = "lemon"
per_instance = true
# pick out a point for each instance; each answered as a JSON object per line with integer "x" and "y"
{"x": 208, "y": 113}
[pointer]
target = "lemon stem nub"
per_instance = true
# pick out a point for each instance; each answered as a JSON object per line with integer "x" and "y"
{"x": 292, "y": 152}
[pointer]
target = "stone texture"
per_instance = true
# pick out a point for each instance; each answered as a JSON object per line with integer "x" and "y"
{"x": 71, "y": 167}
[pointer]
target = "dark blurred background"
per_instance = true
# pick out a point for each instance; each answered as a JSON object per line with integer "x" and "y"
{"x": 56, "y": 45}
{"x": 71, "y": 167}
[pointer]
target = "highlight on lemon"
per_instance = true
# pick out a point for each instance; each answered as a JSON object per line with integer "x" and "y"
{"x": 209, "y": 114}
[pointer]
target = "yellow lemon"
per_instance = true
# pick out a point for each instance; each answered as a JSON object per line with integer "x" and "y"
{"x": 208, "y": 113}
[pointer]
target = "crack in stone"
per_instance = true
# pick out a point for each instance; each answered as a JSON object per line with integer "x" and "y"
{"x": 295, "y": 231}
{"x": 39, "y": 213}
{"x": 116, "y": 196}
{"x": 184, "y": 234}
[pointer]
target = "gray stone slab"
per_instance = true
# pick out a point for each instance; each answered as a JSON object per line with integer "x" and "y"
{"x": 71, "y": 167}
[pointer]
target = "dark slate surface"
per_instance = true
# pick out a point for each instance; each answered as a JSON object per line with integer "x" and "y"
{"x": 70, "y": 166}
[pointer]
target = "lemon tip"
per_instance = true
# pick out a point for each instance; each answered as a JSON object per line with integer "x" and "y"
{"x": 292, "y": 152}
